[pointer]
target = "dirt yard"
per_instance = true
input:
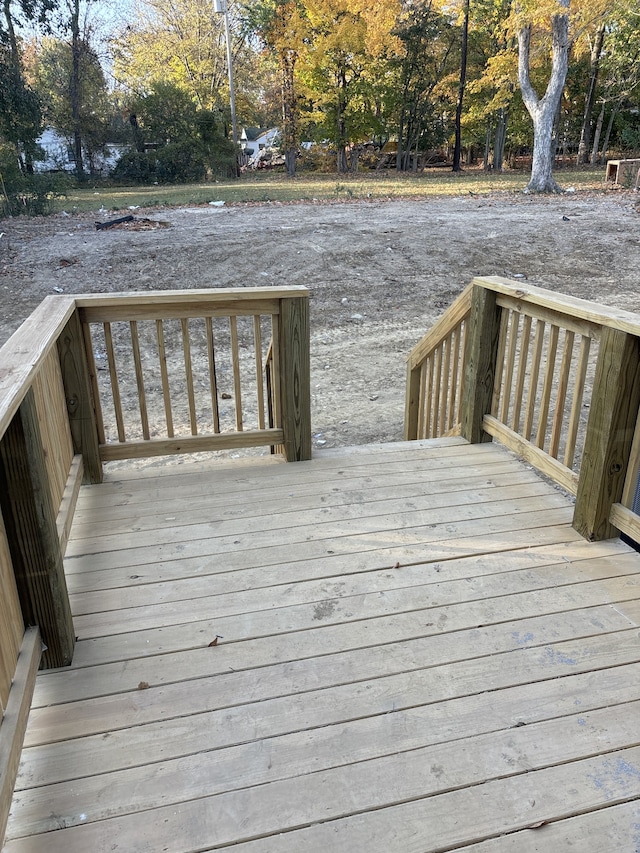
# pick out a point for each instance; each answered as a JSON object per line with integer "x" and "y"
{"x": 379, "y": 273}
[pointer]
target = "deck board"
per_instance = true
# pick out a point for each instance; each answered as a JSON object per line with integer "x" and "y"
{"x": 416, "y": 653}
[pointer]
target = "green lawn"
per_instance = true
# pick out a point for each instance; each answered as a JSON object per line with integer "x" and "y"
{"x": 270, "y": 186}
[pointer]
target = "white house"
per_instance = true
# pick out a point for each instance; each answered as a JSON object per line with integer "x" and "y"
{"x": 258, "y": 146}
{"x": 60, "y": 154}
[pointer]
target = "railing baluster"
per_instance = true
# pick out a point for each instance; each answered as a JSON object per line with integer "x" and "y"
{"x": 166, "y": 392}
{"x": 455, "y": 367}
{"x": 188, "y": 369}
{"x": 235, "y": 360}
{"x": 115, "y": 387}
{"x": 502, "y": 392}
{"x": 257, "y": 343}
{"x": 428, "y": 398}
{"x": 576, "y": 405}
{"x": 563, "y": 385}
{"x": 137, "y": 361}
{"x": 533, "y": 379}
{"x": 213, "y": 380}
{"x": 437, "y": 379}
{"x": 522, "y": 371}
{"x": 446, "y": 384}
{"x": 547, "y": 387}
{"x": 275, "y": 371}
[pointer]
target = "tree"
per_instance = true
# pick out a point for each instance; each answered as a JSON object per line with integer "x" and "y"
{"x": 182, "y": 42}
{"x": 280, "y": 25}
{"x": 20, "y": 117}
{"x": 421, "y": 93}
{"x": 347, "y": 45}
{"x": 585, "y": 133}
{"x": 75, "y": 99}
{"x": 463, "y": 80}
{"x": 543, "y": 110}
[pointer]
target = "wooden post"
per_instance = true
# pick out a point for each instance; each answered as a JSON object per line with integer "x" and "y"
{"x": 412, "y": 403}
{"x": 481, "y": 354}
{"x": 295, "y": 391}
{"x": 77, "y": 389}
{"x": 610, "y": 428}
{"x": 32, "y": 535}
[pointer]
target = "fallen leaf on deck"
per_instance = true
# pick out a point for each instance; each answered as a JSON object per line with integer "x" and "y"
{"x": 397, "y": 566}
{"x": 143, "y": 685}
{"x": 214, "y": 642}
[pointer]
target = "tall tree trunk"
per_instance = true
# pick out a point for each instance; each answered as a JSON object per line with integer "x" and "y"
{"x": 605, "y": 144}
{"x": 341, "y": 125}
{"x": 76, "y": 50}
{"x": 487, "y": 146}
{"x": 585, "y": 133}
{"x": 543, "y": 111}
{"x": 596, "y": 135}
{"x": 463, "y": 81}
{"x": 499, "y": 140}
{"x": 289, "y": 129}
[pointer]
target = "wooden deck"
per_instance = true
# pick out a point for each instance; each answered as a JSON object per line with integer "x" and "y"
{"x": 415, "y": 652}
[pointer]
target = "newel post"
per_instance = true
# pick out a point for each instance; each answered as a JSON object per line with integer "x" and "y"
{"x": 79, "y": 397}
{"x": 32, "y": 535}
{"x": 612, "y": 419}
{"x": 481, "y": 354}
{"x": 295, "y": 390}
{"x": 412, "y": 403}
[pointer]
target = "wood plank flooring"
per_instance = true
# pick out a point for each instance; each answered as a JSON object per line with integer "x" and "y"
{"x": 415, "y": 653}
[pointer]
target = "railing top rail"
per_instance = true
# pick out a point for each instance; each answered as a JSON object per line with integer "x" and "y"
{"x": 592, "y": 312}
{"x": 24, "y": 352}
{"x": 188, "y": 297}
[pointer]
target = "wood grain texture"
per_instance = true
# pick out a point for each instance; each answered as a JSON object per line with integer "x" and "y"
{"x": 30, "y": 521}
{"x": 190, "y": 444}
{"x": 14, "y": 720}
{"x": 612, "y": 419}
{"x": 480, "y": 364}
{"x": 80, "y": 397}
{"x": 407, "y": 661}
{"x": 11, "y": 622}
{"x": 295, "y": 392}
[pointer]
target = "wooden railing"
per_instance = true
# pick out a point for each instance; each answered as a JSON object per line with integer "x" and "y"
{"x": 554, "y": 378}
{"x": 181, "y": 372}
{"x": 69, "y": 379}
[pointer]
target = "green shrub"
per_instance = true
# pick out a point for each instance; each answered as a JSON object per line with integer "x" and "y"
{"x": 32, "y": 195}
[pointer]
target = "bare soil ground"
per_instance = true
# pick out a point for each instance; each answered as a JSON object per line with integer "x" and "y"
{"x": 379, "y": 273}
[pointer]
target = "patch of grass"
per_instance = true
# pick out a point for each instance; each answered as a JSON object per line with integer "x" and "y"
{"x": 275, "y": 187}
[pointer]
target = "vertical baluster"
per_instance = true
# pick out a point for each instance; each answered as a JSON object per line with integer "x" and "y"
{"x": 437, "y": 385}
{"x": 446, "y": 384}
{"x": 533, "y": 379}
{"x": 522, "y": 370}
{"x": 576, "y": 405}
{"x": 257, "y": 343}
{"x": 166, "y": 393}
{"x": 502, "y": 347}
{"x": 422, "y": 401}
{"x": 631, "y": 479}
{"x": 563, "y": 384}
{"x": 95, "y": 388}
{"x": 137, "y": 361}
{"x": 514, "y": 328}
{"x": 276, "y": 403}
{"x": 235, "y": 360}
{"x": 115, "y": 387}
{"x": 186, "y": 348}
{"x": 213, "y": 380}
{"x": 455, "y": 366}
{"x": 547, "y": 386}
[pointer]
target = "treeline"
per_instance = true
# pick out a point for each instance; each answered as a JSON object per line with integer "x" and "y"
{"x": 475, "y": 79}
